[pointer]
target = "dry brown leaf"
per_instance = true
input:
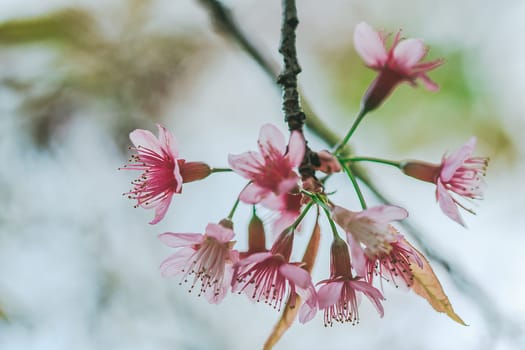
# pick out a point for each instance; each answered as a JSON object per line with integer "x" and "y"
{"x": 427, "y": 285}
{"x": 289, "y": 314}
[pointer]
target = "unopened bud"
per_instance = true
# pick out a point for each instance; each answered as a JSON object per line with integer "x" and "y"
{"x": 226, "y": 223}
{"x": 256, "y": 235}
{"x": 194, "y": 171}
{"x": 328, "y": 164}
{"x": 420, "y": 170}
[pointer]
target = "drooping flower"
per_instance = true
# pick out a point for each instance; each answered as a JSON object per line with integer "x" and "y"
{"x": 206, "y": 258}
{"x": 338, "y": 294}
{"x": 399, "y": 63}
{"x": 270, "y": 170}
{"x": 270, "y": 277}
{"x": 163, "y": 172}
{"x": 377, "y": 248}
{"x": 458, "y": 173}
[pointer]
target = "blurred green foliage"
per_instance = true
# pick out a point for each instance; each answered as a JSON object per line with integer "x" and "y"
{"x": 121, "y": 79}
{"x": 415, "y": 117}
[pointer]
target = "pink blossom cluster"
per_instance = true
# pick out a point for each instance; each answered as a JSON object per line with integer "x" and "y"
{"x": 372, "y": 250}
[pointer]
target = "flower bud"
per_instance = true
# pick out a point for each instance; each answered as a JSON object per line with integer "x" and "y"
{"x": 421, "y": 170}
{"x": 194, "y": 171}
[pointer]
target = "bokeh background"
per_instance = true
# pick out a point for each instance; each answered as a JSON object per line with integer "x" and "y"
{"x": 79, "y": 265}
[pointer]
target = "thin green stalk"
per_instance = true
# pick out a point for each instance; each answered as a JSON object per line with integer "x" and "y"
{"x": 374, "y": 160}
{"x": 332, "y": 224}
{"x": 234, "y": 208}
{"x": 220, "y": 170}
{"x": 301, "y": 216}
{"x": 350, "y": 132}
{"x": 348, "y": 172}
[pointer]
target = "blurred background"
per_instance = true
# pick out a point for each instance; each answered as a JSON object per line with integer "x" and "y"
{"x": 79, "y": 265}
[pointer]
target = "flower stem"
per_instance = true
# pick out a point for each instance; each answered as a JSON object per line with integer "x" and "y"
{"x": 332, "y": 224}
{"x": 220, "y": 170}
{"x": 350, "y": 132}
{"x": 301, "y": 216}
{"x": 354, "y": 182}
{"x": 234, "y": 208}
{"x": 374, "y": 160}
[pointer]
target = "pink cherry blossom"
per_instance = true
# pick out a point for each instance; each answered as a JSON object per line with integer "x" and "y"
{"x": 385, "y": 251}
{"x": 287, "y": 207}
{"x": 270, "y": 170}
{"x": 270, "y": 277}
{"x": 163, "y": 171}
{"x": 338, "y": 294}
{"x": 399, "y": 63}
{"x": 458, "y": 173}
{"x": 207, "y": 257}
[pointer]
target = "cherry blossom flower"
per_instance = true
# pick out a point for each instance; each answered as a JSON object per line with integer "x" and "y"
{"x": 399, "y": 63}
{"x": 385, "y": 252}
{"x": 270, "y": 277}
{"x": 207, "y": 257}
{"x": 458, "y": 173}
{"x": 338, "y": 294}
{"x": 163, "y": 171}
{"x": 270, "y": 170}
{"x": 287, "y": 207}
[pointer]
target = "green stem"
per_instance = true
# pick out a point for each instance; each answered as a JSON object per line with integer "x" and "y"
{"x": 301, "y": 217}
{"x": 354, "y": 182}
{"x": 220, "y": 170}
{"x": 374, "y": 160}
{"x": 350, "y": 132}
{"x": 234, "y": 208}
{"x": 332, "y": 224}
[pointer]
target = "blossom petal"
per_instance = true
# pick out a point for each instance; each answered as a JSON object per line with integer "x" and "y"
{"x": 329, "y": 294}
{"x": 456, "y": 159}
{"x": 245, "y": 164}
{"x": 271, "y": 138}
{"x": 254, "y": 259}
{"x": 370, "y": 46}
{"x": 358, "y": 255}
{"x": 219, "y": 232}
{"x": 300, "y": 277}
{"x": 174, "y": 264}
{"x": 447, "y": 205}
{"x": 161, "y": 208}
{"x": 168, "y": 142}
{"x": 253, "y": 194}
{"x": 383, "y": 214}
{"x": 429, "y": 84}
{"x": 307, "y": 312}
{"x": 296, "y": 148}
{"x": 372, "y": 293}
{"x": 146, "y": 139}
{"x": 176, "y": 240}
{"x": 409, "y": 52}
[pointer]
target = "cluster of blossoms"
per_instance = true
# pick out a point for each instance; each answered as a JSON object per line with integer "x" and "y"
{"x": 371, "y": 251}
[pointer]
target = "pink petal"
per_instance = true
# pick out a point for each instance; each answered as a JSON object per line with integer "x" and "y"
{"x": 370, "y": 46}
{"x": 285, "y": 220}
{"x": 447, "y": 205}
{"x": 254, "y": 259}
{"x": 307, "y": 312}
{"x": 429, "y": 84}
{"x": 383, "y": 214}
{"x": 409, "y": 52}
{"x": 300, "y": 277}
{"x": 245, "y": 164}
{"x": 329, "y": 294}
{"x": 270, "y": 137}
{"x": 161, "y": 208}
{"x": 219, "y": 232}
{"x": 456, "y": 159}
{"x": 144, "y": 138}
{"x": 176, "y": 240}
{"x": 296, "y": 148}
{"x": 174, "y": 265}
{"x": 358, "y": 255}
{"x": 288, "y": 184}
{"x": 372, "y": 293}
{"x": 274, "y": 202}
{"x": 168, "y": 142}
{"x": 216, "y": 298}
{"x": 253, "y": 194}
